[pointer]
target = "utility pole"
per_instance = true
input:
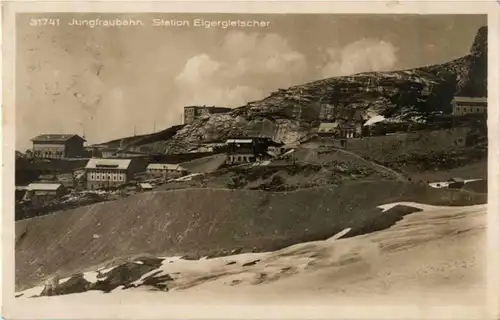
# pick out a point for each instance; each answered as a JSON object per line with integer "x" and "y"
{"x": 154, "y": 126}
{"x": 83, "y": 129}
{"x": 134, "y": 130}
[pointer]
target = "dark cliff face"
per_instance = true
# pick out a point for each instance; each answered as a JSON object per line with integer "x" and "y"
{"x": 477, "y": 84}
{"x": 289, "y": 115}
{"x": 480, "y": 46}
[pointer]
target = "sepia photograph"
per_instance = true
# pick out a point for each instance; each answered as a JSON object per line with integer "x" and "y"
{"x": 251, "y": 158}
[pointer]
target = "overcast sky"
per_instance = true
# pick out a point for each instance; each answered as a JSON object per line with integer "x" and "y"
{"x": 107, "y": 80}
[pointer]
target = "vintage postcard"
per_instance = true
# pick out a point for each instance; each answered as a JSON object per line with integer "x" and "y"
{"x": 218, "y": 160}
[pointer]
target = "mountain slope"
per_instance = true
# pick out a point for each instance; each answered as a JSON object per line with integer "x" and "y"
{"x": 130, "y": 142}
{"x": 220, "y": 220}
{"x": 427, "y": 251}
{"x": 291, "y": 115}
{"x": 406, "y": 93}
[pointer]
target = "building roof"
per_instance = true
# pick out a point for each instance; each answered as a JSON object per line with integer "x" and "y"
{"x": 44, "y": 186}
{"x": 166, "y": 166}
{"x": 331, "y": 126}
{"x": 213, "y": 144}
{"x": 55, "y": 137}
{"x": 328, "y": 126}
{"x": 146, "y": 185}
{"x": 95, "y": 163}
{"x": 209, "y": 107}
{"x": 239, "y": 141}
{"x": 471, "y": 99}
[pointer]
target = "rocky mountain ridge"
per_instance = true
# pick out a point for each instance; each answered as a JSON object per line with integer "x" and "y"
{"x": 289, "y": 115}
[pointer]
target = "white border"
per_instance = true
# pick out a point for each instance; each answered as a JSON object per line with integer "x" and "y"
{"x": 493, "y": 232}
{"x": 12, "y": 309}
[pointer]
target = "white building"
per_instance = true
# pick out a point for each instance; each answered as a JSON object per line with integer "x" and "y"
{"x": 157, "y": 170}
{"x": 101, "y": 173}
{"x": 146, "y": 186}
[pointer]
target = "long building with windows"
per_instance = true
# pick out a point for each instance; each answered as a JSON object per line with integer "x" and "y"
{"x": 469, "y": 105}
{"x": 58, "y": 146}
{"x": 105, "y": 173}
{"x": 157, "y": 170}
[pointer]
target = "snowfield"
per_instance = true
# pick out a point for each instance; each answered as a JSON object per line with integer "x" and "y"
{"x": 431, "y": 261}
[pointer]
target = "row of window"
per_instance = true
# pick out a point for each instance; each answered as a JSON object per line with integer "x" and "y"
{"x": 470, "y": 109}
{"x": 233, "y": 159}
{"x": 109, "y": 171}
{"x": 162, "y": 170}
{"x": 342, "y": 133}
{"x": 48, "y": 154}
{"x": 101, "y": 185}
{"x": 106, "y": 177}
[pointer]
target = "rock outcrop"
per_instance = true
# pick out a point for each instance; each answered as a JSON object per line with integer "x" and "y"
{"x": 290, "y": 115}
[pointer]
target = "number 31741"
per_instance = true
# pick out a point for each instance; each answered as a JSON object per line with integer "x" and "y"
{"x": 44, "y": 22}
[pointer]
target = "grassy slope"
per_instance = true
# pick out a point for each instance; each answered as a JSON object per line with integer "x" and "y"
{"x": 207, "y": 221}
{"x": 305, "y": 168}
{"x": 476, "y": 170}
{"x": 205, "y": 164}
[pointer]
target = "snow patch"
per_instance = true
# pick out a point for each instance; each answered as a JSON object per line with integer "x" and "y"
{"x": 445, "y": 184}
{"x": 103, "y": 271}
{"x": 90, "y": 276}
{"x": 155, "y": 272}
{"x": 339, "y": 234}
{"x": 374, "y": 119}
{"x": 425, "y": 207}
{"x": 119, "y": 288}
{"x": 33, "y": 292}
{"x": 187, "y": 178}
{"x": 64, "y": 280}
